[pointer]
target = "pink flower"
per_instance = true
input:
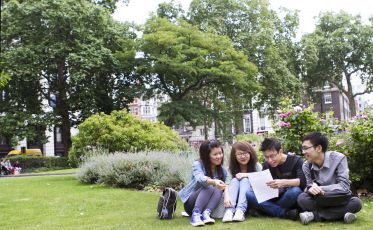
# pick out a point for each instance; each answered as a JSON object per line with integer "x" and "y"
{"x": 284, "y": 124}
{"x": 283, "y": 115}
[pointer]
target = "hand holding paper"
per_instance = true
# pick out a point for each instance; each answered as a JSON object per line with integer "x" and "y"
{"x": 259, "y": 182}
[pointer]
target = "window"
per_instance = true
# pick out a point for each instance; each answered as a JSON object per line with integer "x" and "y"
{"x": 202, "y": 132}
{"x": 262, "y": 123}
{"x": 147, "y": 110}
{"x": 327, "y": 98}
{"x": 247, "y": 124}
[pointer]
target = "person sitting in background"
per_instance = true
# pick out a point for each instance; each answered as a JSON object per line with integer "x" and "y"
{"x": 6, "y": 167}
{"x": 286, "y": 170}
{"x": 16, "y": 168}
{"x": 326, "y": 174}
{"x": 243, "y": 160}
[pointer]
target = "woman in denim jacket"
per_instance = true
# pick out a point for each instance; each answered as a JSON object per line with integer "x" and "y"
{"x": 202, "y": 194}
{"x": 243, "y": 160}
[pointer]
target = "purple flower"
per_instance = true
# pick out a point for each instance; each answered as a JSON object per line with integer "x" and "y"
{"x": 322, "y": 120}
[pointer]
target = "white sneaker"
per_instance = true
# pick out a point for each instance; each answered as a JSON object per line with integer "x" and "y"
{"x": 239, "y": 215}
{"x": 196, "y": 220}
{"x": 228, "y": 216}
{"x": 206, "y": 217}
{"x": 349, "y": 217}
{"x": 306, "y": 217}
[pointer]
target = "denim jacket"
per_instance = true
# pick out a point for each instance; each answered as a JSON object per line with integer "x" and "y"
{"x": 198, "y": 180}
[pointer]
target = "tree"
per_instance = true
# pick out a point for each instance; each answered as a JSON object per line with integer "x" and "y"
{"x": 265, "y": 38}
{"x": 65, "y": 49}
{"x": 4, "y": 78}
{"x": 181, "y": 62}
{"x": 338, "y": 50}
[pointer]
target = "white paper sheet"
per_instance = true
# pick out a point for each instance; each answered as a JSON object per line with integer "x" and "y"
{"x": 258, "y": 182}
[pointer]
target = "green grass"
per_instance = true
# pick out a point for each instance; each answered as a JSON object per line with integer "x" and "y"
{"x": 71, "y": 170}
{"x": 61, "y": 202}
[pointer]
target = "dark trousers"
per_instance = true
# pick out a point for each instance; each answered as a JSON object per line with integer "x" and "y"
{"x": 307, "y": 203}
{"x": 202, "y": 199}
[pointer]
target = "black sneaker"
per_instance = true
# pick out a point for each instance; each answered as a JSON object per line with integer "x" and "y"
{"x": 292, "y": 214}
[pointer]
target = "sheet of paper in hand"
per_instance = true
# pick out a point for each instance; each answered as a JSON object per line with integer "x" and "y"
{"x": 258, "y": 182}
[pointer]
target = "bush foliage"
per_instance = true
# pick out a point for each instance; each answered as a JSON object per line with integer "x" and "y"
{"x": 121, "y": 131}
{"x": 294, "y": 122}
{"x": 354, "y": 137}
{"x": 137, "y": 170}
{"x": 356, "y": 141}
{"x": 28, "y": 163}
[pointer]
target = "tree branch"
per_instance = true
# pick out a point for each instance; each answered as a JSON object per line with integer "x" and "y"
{"x": 361, "y": 93}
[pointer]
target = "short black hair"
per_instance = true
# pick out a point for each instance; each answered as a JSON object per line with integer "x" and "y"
{"x": 270, "y": 144}
{"x": 317, "y": 139}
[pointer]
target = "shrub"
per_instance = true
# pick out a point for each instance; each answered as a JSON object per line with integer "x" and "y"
{"x": 357, "y": 143}
{"x": 137, "y": 170}
{"x": 295, "y": 122}
{"x": 29, "y": 163}
{"x": 121, "y": 131}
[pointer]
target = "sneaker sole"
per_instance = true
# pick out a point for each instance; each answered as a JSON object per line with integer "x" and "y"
{"x": 197, "y": 224}
{"x": 209, "y": 221}
{"x": 350, "y": 219}
{"x": 238, "y": 220}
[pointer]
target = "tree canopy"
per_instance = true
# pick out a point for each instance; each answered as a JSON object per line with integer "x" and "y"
{"x": 340, "y": 48}
{"x": 65, "y": 51}
{"x": 266, "y": 39}
{"x": 181, "y": 61}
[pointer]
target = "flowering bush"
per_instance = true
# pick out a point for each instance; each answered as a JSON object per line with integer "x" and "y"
{"x": 294, "y": 122}
{"x": 356, "y": 141}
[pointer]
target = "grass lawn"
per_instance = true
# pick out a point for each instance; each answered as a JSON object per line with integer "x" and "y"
{"x": 61, "y": 202}
{"x": 72, "y": 170}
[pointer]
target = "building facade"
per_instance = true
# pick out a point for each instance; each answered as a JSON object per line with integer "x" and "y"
{"x": 333, "y": 99}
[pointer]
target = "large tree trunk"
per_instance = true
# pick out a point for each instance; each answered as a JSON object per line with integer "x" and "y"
{"x": 62, "y": 106}
{"x": 350, "y": 96}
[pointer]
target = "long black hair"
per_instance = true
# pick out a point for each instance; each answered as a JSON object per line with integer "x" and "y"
{"x": 204, "y": 155}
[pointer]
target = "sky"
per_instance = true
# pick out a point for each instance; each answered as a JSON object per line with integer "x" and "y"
{"x": 138, "y": 11}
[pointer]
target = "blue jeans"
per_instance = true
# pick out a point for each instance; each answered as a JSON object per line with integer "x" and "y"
{"x": 237, "y": 193}
{"x": 278, "y": 207}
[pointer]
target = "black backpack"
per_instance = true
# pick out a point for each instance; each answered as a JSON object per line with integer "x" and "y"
{"x": 167, "y": 204}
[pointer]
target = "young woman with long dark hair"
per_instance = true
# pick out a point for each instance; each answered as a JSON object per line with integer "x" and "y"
{"x": 202, "y": 194}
